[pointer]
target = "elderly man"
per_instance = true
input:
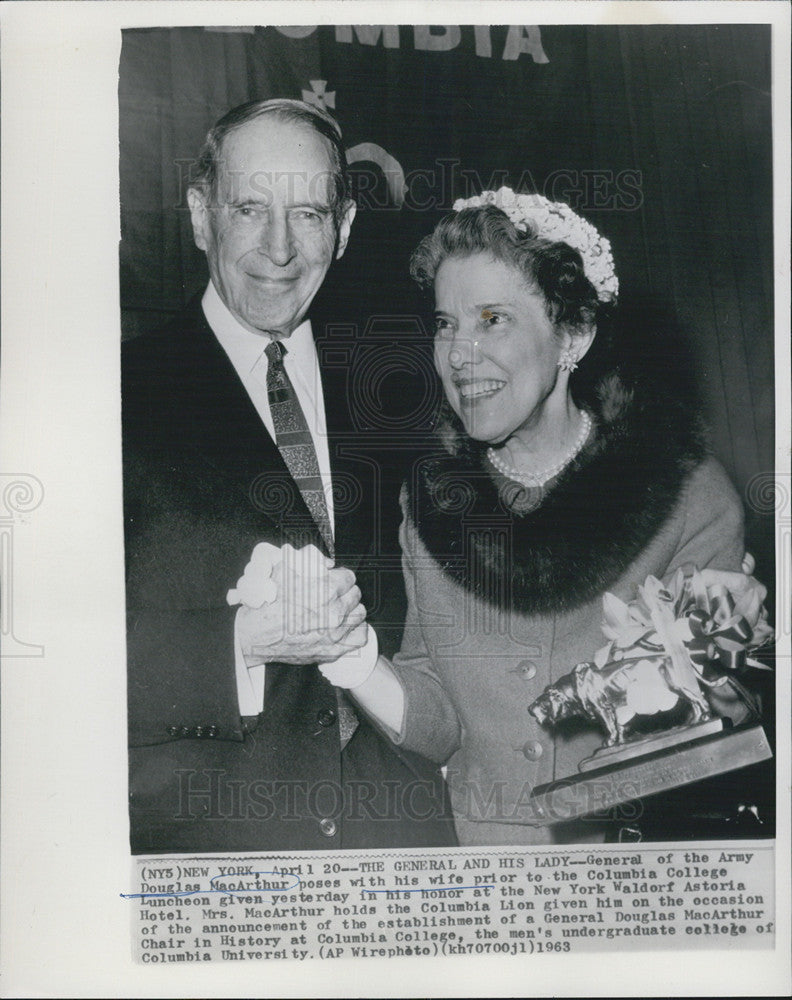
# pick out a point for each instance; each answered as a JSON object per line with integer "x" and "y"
{"x": 238, "y": 740}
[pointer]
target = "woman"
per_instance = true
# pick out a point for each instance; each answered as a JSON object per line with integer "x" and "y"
{"x": 557, "y": 477}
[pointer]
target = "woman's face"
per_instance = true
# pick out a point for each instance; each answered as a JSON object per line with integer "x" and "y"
{"x": 495, "y": 348}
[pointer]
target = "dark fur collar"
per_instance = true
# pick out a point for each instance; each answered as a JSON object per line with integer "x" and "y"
{"x": 603, "y": 510}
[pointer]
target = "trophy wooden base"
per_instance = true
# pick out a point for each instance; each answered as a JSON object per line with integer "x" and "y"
{"x": 602, "y": 786}
{"x": 639, "y": 748}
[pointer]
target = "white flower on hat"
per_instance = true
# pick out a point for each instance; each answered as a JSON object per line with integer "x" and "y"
{"x": 554, "y": 220}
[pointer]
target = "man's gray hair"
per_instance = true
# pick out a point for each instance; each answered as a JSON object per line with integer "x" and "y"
{"x": 283, "y": 110}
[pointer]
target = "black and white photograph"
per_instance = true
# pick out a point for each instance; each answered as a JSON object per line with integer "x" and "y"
{"x": 559, "y": 443}
{"x": 400, "y": 558}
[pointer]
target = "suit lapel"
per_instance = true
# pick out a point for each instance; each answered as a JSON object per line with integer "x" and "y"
{"x": 225, "y": 428}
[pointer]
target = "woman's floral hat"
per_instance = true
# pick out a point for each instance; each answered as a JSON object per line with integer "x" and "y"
{"x": 553, "y": 220}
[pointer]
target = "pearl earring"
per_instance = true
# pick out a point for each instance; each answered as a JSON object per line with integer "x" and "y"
{"x": 568, "y": 360}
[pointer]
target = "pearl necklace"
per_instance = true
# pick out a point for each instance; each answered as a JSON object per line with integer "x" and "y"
{"x": 540, "y": 478}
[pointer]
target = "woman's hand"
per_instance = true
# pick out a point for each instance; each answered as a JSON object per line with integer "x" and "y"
{"x": 746, "y": 591}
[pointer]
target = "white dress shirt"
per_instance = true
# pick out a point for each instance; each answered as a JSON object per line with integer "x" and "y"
{"x": 245, "y": 351}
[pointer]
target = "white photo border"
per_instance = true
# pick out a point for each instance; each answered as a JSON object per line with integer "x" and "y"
{"x": 64, "y": 806}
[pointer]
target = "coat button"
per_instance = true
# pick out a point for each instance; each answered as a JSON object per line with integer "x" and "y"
{"x": 211, "y": 731}
{"x": 199, "y": 731}
{"x": 326, "y": 717}
{"x": 328, "y": 827}
{"x": 525, "y": 670}
{"x": 173, "y": 730}
{"x": 532, "y": 750}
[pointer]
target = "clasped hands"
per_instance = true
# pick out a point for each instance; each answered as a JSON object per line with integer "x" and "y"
{"x": 296, "y": 607}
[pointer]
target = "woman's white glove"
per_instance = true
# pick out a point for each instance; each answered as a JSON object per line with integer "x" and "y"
{"x": 354, "y": 668}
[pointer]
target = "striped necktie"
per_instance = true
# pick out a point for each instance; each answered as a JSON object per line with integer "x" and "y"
{"x": 293, "y": 437}
{"x": 294, "y": 440}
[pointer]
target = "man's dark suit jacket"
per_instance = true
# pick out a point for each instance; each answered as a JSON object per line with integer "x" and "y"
{"x": 203, "y": 483}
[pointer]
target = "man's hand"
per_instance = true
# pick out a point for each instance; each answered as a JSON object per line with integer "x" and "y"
{"x": 316, "y": 617}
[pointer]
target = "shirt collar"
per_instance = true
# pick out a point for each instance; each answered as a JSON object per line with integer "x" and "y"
{"x": 245, "y": 348}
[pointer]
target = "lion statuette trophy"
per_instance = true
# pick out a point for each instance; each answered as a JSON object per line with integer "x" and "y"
{"x": 676, "y": 652}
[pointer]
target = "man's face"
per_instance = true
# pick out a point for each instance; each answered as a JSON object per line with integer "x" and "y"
{"x": 269, "y": 235}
